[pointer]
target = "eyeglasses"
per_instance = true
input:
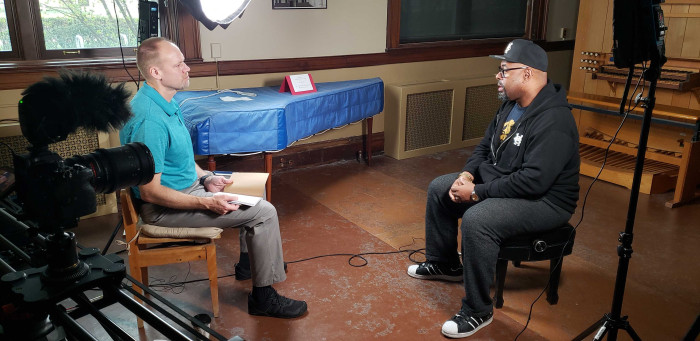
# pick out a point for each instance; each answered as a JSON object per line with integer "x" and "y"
{"x": 503, "y": 71}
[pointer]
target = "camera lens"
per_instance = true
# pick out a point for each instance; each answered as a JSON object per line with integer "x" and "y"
{"x": 120, "y": 167}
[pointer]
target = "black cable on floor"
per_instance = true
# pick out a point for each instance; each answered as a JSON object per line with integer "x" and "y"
{"x": 171, "y": 285}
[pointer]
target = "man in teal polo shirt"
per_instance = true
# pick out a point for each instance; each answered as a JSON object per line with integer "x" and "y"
{"x": 182, "y": 194}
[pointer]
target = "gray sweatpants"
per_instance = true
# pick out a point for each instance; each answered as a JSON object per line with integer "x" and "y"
{"x": 259, "y": 234}
{"x": 484, "y": 226}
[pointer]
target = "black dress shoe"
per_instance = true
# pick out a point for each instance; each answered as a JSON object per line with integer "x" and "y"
{"x": 276, "y": 305}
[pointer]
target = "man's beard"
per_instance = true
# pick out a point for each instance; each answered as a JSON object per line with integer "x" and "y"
{"x": 502, "y": 96}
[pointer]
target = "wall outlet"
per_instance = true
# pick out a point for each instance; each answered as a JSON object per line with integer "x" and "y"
{"x": 563, "y": 33}
{"x": 216, "y": 50}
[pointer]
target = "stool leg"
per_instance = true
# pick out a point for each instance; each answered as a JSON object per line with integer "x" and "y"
{"x": 553, "y": 290}
{"x": 501, "y": 267}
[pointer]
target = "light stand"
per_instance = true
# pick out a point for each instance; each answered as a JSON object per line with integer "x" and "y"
{"x": 612, "y": 321}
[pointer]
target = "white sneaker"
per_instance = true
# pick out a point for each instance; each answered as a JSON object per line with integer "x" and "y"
{"x": 428, "y": 270}
{"x": 462, "y": 325}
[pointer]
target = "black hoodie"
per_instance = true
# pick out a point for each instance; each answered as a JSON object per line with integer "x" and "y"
{"x": 538, "y": 160}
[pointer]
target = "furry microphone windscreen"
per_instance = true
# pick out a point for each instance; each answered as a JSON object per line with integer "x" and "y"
{"x": 55, "y": 107}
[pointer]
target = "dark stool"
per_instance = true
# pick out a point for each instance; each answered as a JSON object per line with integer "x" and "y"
{"x": 535, "y": 247}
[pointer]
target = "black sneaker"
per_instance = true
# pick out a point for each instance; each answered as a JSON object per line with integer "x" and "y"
{"x": 463, "y": 325}
{"x": 276, "y": 305}
{"x": 243, "y": 273}
{"x": 433, "y": 270}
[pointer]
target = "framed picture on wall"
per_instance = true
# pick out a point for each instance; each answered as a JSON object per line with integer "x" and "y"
{"x": 298, "y": 4}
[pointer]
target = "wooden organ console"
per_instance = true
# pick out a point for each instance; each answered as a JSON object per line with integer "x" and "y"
{"x": 673, "y": 152}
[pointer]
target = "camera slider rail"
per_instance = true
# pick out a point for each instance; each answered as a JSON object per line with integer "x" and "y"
{"x": 36, "y": 299}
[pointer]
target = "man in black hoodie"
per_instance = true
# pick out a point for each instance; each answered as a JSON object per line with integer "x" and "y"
{"x": 521, "y": 178}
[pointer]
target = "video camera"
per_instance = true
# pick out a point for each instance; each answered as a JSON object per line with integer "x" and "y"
{"x": 54, "y": 192}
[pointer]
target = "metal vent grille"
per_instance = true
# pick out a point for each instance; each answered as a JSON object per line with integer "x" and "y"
{"x": 78, "y": 143}
{"x": 480, "y": 105}
{"x": 428, "y": 119}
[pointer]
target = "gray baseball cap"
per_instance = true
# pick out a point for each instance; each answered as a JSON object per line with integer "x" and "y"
{"x": 525, "y": 52}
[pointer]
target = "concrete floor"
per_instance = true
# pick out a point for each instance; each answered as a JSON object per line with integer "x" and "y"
{"x": 349, "y": 208}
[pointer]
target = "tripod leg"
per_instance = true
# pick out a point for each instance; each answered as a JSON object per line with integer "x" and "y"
{"x": 602, "y": 331}
{"x": 111, "y": 238}
{"x": 590, "y": 329}
{"x": 632, "y": 333}
{"x": 693, "y": 331}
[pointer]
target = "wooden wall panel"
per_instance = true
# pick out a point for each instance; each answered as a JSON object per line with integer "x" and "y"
{"x": 681, "y": 99}
{"x": 664, "y": 97}
{"x": 676, "y": 30}
{"x": 595, "y": 35}
{"x": 691, "y": 40}
{"x": 695, "y": 101}
{"x": 666, "y": 143}
{"x": 608, "y": 34}
{"x": 588, "y": 13}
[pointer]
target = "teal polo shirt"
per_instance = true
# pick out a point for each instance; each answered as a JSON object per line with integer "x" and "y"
{"x": 159, "y": 124}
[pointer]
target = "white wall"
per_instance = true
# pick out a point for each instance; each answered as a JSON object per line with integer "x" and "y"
{"x": 346, "y": 27}
{"x": 562, "y": 14}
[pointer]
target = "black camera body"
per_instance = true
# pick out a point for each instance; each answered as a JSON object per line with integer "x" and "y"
{"x": 55, "y": 192}
{"x": 51, "y": 191}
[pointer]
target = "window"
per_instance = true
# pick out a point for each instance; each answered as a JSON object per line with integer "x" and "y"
{"x": 416, "y": 23}
{"x": 29, "y": 57}
{"x": 87, "y": 28}
{"x": 5, "y": 45}
{"x": 8, "y": 45}
{"x": 67, "y": 29}
{"x": 423, "y": 21}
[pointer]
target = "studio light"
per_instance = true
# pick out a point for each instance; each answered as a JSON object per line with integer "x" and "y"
{"x": 223, "y": 11}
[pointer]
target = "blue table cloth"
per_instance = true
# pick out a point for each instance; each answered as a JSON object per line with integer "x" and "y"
{"x": 270, "y": 120}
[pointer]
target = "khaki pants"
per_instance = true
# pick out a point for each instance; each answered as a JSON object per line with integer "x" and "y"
{"x": 259, "y": 234}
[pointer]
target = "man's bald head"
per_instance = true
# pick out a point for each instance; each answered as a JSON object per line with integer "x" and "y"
{"x": 147, "y": 54}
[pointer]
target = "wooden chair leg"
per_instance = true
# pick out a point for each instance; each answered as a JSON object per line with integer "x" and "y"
{"x": 501, "y": 267}
{"x": 138, "y": 276}
{"x": 553, "y": 290}
{"x": 213, "y": 280}
{"x": 144, "y": 277}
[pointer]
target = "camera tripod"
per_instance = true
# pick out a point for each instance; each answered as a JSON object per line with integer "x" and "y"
{"x": 612, "y": 322}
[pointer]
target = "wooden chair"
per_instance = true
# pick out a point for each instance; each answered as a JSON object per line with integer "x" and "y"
{"x": 141, "y": 257}
{"x": 551, "y": 245}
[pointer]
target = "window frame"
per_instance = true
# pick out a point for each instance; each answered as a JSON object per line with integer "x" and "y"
{"x": 10, "y": 12}
{"x": 176, "y": 24}
{"x": 535, "y": 29}
{"x": 28, "y": 46}
{"x": 29, "y": 38}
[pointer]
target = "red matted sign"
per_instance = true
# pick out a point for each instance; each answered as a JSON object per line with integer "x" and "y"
{"x": 298, "y": 84}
